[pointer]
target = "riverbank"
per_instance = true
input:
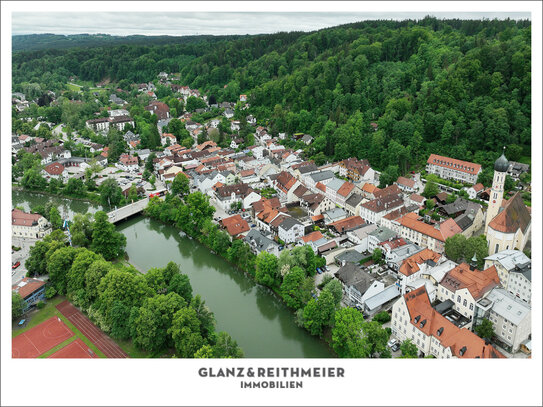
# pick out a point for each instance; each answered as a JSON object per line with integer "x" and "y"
{"x": 261, "y": 323}
{"x": 273, "y": 292}
{"x": 93, "y": 200}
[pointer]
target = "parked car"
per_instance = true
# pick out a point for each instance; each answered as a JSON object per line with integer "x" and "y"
{"x": 395, "y": 347}
{"x": 15, "y": 265}
{"x": 253, "y": 225}
{"x": 392, "y": 342}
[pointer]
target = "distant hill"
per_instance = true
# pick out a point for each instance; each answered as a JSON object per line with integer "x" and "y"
{"x": 34, "y": 42}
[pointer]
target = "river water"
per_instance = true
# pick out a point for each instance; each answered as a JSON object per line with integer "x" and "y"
{"x": 261, "y": 324}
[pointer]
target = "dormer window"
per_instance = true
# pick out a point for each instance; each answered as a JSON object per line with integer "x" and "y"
{"x": 417, "y": 318}
{"x": 439, "y": 331}
{"x": 463, "y": 350}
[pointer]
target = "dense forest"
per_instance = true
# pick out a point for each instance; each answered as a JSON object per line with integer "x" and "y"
{"x": 460, "y": 88}
{"x": 31, "y": 42}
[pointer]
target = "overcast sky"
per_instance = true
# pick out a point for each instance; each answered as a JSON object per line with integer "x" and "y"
{"x": 193, "y": 23}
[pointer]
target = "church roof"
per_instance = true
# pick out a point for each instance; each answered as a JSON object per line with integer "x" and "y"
{"x": 514, "y": 216}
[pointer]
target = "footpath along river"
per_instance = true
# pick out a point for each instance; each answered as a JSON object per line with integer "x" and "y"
{"x": 261, "y": 324}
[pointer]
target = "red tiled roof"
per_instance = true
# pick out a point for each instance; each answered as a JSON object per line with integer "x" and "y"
{"x": 369, "y": 188}
{"x": 417, "y": 198}
{"x": 30, "y": 286}
{"x": 393, "y": 244}
{"x": 411, "y": 264}
{"x": 463, "y": 343}
{"x": 347, "y": 224}
{"x": 345, "y": 189}
{"x": 321, "y": 186}
{"x": 316, "y": 218}
{"x": 406, "y": 181}
{"x": 313, "y": 236}
{"x": 20, "y": 218}
{"x": 410, "y": 221}
{"x": 449, "y": 228}
{"x": 235, "y": 225}
{"x": 454, "y": 164}
{"x": 513, "y": 217}
{"x": 477, "y": 282}
{"x": 478, "y": 187}
{"x": 54, "y": 169}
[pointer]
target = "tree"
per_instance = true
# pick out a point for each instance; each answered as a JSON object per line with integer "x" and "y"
{"x": 347, "y": 334}
{"x": 124, "y": 286}
{"x": 180, "y": 284}
{"x": 81, "y": 229}
{"x": 17, "y": 305}
{"x": 180, "y": 184}
{"x": 154, "y": 319}
{"x": 185, "y": 333}
{"x": 194, "y": 103}
{"x": 58, "y": 265}
{"x": 455, "y": 247}
{"x": 267, "y": 272}
{"x": 319, "y": 314}
{"x": 32, "y": 179}
{"x": 375, "y": 338}
{"x": 409, "y": 349}
{"x": 54, "y": 218}
{"x": 336, "y": 289}
{"x": 36, "y": 263}
{"x": 76, "y": 276}
{"x": 122, "y": 318}
{"x": 290, "y": 288}
{"x": 430, "y": 204}
{"x": 389, "y": 176}
{"x": 149, "y": 165}
{"x": 105, "y": 239}
{"x": 377, "y": 255}
{"x": 430, "y": 190}
{"x": 485, "y": 329}
{"x": 93, "y": 276}
{"x": 382, "y": 317}
{"x": 110, "y": 193}
{"x": 205, "y": 352}
{"x": 75, "y": 187}
{"x": 204, "y": 315}
{"x": 226, "y": 347}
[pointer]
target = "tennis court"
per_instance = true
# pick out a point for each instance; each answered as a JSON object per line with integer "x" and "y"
{"x": 40, "y": 339}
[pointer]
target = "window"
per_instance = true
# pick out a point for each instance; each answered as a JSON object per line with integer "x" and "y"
{"x": 508, "y": 337}
{"x": 471, "y": 306}
{"x": 504, "y": 326}
{"x": 510, "y": 331}
{"x": 465, "y": 302}
{"x": 497, "y": 248}
{"x": 459, "y": 299}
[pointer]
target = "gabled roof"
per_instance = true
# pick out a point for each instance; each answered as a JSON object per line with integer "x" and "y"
{"x": 513, "y": 217}
{"x": 477, "y": 282}
{"x": 27, "y": 286}
{"x": 411, "y": 264}
{"x": 54, "y": 169}
{"x": 20, "y": 218}
{"x": 347, "y": 224}
{"x": 235, "y": 225}
{"x": 313, "y": 236}
{"x": 369, "y": 188}
{"x": 454, "y": 164}
{"x": 406, "y": 182}
{"x": 354, "y": 200}
{"x": 463, "y": 343}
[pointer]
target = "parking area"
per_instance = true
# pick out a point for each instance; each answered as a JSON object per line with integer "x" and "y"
{"x": 20, "y": 256}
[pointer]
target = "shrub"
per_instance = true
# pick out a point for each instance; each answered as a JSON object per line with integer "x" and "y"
{"x": 382, "y": 317}
{"x": 40, "y": 305}
{"x": 50, "y": 292}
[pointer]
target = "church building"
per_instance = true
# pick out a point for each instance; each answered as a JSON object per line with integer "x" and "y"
{"x": 508, "y": 223}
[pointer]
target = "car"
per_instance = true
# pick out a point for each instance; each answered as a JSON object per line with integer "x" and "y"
{"x": 395, "y": 347}
{"x": 392, "y": 342}
{"x": 15, "y": 265}
{"x": 319, "y": 271}
{"x": 253, "y": 225}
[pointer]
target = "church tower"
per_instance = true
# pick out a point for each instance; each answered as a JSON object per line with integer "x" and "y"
{"x": 496, "y": 195}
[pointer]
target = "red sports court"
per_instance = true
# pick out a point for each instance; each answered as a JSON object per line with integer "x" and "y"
{"x": 40, "y": 339}
{"x": 74, "y": 350}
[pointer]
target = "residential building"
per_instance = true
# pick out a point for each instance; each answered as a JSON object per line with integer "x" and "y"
{"x": 372, "y": 211}
{"x": 422, "y": 234}
{"x": 474, "y": 190}
{"x": 29, "y": 225}
{"x": 56, "y": 171}
{"x": 315, "y": 204}
{"x": 407, "y": 185}
{"x": 414, "y": 318}
{"x": 356, "y": 170}
{"x": 466, "y": 286}
{"x": 160, "y": 109}
{"x": 514, "y": 268}
{"x": 413, "y": 268}
{"x": 345, "y": 225}
{"x": 451, "y": 168}
{"x": 235, "y": 225}
{"x": 261, "y": 243}
{"x": 511, "y": 318}
{"x": 355, "y": 282}
{"x": 353, "y": 203}
{"x": 290, "y": 230}
{"x": 360, "y": 235}
{"x": 128, "y": 163}
{"x": 379, "y": 236}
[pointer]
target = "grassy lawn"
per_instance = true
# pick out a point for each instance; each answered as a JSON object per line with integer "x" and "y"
{"x": 131, "y": 350}
{"x": 50, "y": 311}
{"x": 73, "y": 87}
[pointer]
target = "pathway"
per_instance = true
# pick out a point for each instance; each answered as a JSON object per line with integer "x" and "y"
{"x": 87, "y": 328}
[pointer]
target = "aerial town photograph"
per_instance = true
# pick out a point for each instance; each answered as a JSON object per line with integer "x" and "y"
{"x": 348, "y": 187}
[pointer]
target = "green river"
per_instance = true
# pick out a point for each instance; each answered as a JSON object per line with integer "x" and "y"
{"x": 261, "y": 324}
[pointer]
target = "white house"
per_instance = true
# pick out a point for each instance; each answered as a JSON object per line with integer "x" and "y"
{"x": 290, "y": 230}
